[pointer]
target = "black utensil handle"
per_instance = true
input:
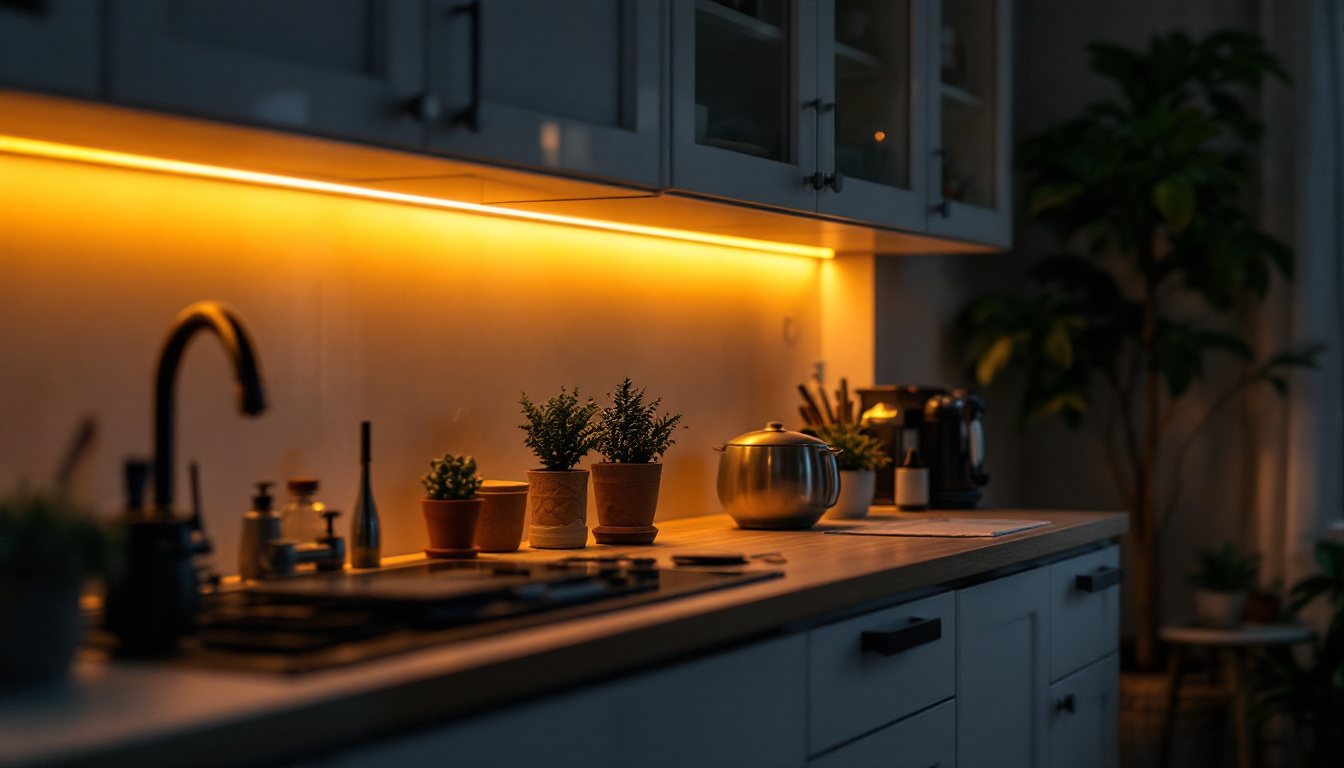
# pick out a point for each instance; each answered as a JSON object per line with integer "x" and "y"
{"x": 918, "y": 632}
{"x": 471, "y": 115}
{"x": 1104, "y": 578}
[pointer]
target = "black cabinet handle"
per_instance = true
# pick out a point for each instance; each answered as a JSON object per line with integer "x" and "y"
{"x": 426, "y": 108}
{"x": 1102, "y": 578}
{"x": 1066, "y": 704}
{"x": 918, "y": 632}
{"x": 820, "y": 181}
{"x": 471, "y": 115}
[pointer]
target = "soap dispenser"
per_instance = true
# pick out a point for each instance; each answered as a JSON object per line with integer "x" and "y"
{"x": 261, "y": 526}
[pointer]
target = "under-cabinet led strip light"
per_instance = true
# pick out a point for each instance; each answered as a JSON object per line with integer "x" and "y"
{"x": 34, "y": 148}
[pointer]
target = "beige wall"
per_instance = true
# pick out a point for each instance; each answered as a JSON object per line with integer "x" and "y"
{"x": 429, "y": 323}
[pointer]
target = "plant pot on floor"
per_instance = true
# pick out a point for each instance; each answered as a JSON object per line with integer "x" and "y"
{"x": 40, "y": 629}
{"x": 1219, "y": 609}
{"x": 557, "y": 505}
{"x": 503, "y": 515}
{"x": 626, "y": 495}
{"x": 857, "y": 487}
{"x": 452, "y": 526}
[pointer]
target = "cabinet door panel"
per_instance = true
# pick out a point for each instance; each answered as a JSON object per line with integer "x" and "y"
{"x": 925, "y": 740}
{"x": 339, "y": 67}
{"x": 1002, "y": 667}
{"x": 1084, "y": 619}
{"x": 871, "y": 129}
{"x": 969, "y": 116}
{"x": 50, "y": 45}
{"x": 744, "y": 100}
{"x": 573, "y": 86}
{"x": 1085, "y": 717}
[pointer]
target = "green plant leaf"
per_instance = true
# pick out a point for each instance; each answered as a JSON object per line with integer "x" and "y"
{"x": 994, "y": 360}
{"x": 1059, "y": 345}
{"x": 1174, "y": 197}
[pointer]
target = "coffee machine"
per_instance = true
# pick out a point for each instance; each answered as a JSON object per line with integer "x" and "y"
{"x": 946, "y": 427}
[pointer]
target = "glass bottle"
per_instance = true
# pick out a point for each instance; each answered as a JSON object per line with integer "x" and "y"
{"x": 301, "y": 518}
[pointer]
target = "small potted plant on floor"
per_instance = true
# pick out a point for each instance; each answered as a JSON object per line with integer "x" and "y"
{"x": 631, "y": 437}
{"x": 860, "y": 457}
{"x": 451, "y": 506}
{"x": 49, "y": 545}
{"x": 560, "y": 433}
{"x": 1224, "y": 576}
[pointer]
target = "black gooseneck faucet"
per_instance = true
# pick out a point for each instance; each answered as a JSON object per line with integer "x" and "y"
{"x": 225, "y": 323}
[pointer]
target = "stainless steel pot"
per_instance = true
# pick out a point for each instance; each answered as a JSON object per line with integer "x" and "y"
{"x": 776, "y": 479}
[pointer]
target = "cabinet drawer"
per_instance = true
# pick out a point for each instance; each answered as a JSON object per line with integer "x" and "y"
{"x": 1085, "y": 716}
{"x": 1084, "y": 610}
{"x": 926, "y": 740}
{"x": 909, "y": 665}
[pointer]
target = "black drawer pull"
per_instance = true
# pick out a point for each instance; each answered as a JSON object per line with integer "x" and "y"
{"x": 1105, "y": 578}
{"x": 1066, "y": 704}
{"x": 918, "y": 632}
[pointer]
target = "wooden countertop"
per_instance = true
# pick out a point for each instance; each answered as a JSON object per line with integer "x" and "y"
{"x": 125, "y": 713}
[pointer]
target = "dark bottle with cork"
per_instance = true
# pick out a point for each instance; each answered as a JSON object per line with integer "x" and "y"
{"x": 365, "y": 538}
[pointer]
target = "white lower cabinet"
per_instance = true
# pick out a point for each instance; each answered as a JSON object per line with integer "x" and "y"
{"x": 960, "y": 678}
{"x": 1085, "y": 717}
{"x": 925, "y": 740}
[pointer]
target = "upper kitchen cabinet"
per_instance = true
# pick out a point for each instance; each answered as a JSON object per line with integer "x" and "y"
{"x": 744, "y": 100}
{"x": 50, "y": 45}
{"x": 870, "y": 131}
{"x": 969, "y": 183}
{"x": 340, "y": 67}
{"x": 573, "y": 86}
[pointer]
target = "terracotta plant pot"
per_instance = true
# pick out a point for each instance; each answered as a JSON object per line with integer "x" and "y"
{"x": 40, "y": 629}
{"x": 503, "y": 513}
{"x": 452, "y": 526}
{"x": 857, "y": 487}
{"x": 627, "y": 499}
{"x": 557, "y": 504}
{"x": 1219, "y": 609}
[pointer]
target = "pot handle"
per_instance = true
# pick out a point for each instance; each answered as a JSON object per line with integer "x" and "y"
{"x": 833, "y": 477}
{"x": 721, "y": 447}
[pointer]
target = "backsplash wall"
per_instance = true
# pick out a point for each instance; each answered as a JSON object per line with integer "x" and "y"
{"x": 429, "y": 323}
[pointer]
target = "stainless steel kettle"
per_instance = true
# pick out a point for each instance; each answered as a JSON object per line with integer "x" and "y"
{"x": 775, "y": 479}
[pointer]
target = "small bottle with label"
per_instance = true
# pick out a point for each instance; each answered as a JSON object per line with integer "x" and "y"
{"x": 912, "y": 484}
{"x": 301, "y": 519}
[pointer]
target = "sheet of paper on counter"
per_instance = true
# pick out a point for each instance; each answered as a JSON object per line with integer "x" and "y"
{"x": 956, "y": 527}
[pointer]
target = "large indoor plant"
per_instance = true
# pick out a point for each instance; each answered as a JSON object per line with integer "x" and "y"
{"x": 49, "y": 544}
{"x": 1147, "y": 193}
{"x": 860, "y": 457}
{"x": 560, "y": 433}
{"x": 451, "y": 506}
{"x": 632, "y": 437}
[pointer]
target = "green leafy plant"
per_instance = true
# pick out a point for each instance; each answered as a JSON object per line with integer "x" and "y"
{"x": 560, "y": 432}
{"x": 451, "y": 478}
{"x": 630, "y": 432}
{"x": 1310, "y": 691}
{"x": 1146, "y": 194}
{"x": 50, "y": 536}
{"x": 858, "y": 451}
{"x": 1226, "y": 569}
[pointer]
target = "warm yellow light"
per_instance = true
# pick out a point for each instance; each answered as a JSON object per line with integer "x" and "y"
{"x": 880, "y": 136}
{"x": 51, "y": 150}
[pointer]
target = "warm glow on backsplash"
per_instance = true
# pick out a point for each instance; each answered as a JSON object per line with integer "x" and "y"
{"x": 428, "y": 321}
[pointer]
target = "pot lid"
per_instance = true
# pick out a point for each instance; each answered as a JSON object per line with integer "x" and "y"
{"x": 775, "y": 434}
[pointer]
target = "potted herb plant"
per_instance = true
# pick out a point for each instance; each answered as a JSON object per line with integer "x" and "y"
{"x": 49, "y": 545}
{"x": 452, "y": 507}
{"x": 631, "y": 437}
{"x": 560, "y": 433}
{"x": 1221, "y": 583}
{"x": 1146, "y": 195}
{"x": 861, "y": 455}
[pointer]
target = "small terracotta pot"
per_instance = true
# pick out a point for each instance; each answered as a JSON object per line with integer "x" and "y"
{"x": 557, "y": 504}
{"x": 626, "y": 496}
{"x": 503, "y": 514}
{"x": 452, "y": 526}
{"x": 1219, "y": 609}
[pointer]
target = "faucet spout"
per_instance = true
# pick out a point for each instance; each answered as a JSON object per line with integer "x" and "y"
{"x": 228, "y": 327}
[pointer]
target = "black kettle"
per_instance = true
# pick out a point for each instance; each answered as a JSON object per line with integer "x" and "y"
{"x": 953, "y": 443}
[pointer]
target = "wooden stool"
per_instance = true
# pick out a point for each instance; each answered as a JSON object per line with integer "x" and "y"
{"x": 1238, "y": 643}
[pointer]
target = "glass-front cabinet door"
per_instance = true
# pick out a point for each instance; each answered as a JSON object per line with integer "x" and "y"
{"x": 970, "y": 154}
{"x": 870, "y": 64}
{"x": 568, "y": 85}
{"x": 744, "y": 100}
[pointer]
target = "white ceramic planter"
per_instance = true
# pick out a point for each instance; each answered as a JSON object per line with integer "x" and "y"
{"x": 1219, "y": 609}
{"x": 856, "y": 494}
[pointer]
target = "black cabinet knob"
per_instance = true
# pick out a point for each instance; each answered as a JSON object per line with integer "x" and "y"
{"x": 1066, "y": 704}
{"x": 427, "y": 108}
{"x": 820, "y": 181}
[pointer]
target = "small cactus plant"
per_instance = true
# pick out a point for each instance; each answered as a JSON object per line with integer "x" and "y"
{"x": 451, "y": 478}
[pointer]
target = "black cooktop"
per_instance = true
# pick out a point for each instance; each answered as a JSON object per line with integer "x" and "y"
{"x": 316, "y": 622}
